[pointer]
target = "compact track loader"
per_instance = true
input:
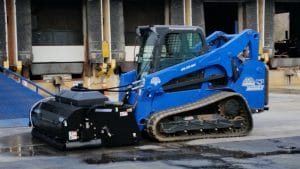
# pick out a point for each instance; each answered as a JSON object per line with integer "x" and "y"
{"x": 185, "y": 87}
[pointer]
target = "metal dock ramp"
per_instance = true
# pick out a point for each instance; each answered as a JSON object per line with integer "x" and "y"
{"x": 16, "y": 99}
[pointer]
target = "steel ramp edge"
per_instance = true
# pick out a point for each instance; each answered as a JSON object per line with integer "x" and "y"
{"x": 10, "y": 123}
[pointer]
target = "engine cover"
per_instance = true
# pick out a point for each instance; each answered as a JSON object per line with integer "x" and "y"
{"x": 84, "y": 98}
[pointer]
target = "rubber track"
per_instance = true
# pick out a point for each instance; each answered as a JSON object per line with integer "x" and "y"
{"x": 155, "y": 118}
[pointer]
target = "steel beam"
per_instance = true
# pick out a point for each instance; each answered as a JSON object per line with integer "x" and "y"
{"x": 11, "y": 33}
{"x": 188, "y": 12}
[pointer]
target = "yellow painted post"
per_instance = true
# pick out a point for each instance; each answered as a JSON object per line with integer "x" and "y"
{"x": 188, "y": 12}
{"x": 6, "y": 64}
{"x": 19, "y": 67}
{"x": 261, "y": 29}
{"x": 105, "y": 49}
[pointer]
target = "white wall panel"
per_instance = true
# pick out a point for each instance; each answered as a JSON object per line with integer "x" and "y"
{"x": 58, "y": 54}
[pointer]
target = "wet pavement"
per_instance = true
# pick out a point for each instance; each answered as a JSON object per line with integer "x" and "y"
{"x": 280, "y": 154}
{"x": 273, "y": 143}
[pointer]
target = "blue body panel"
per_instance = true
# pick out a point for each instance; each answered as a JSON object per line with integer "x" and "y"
{"x": 222, "y": 58}
{"x": 126, "y": 79}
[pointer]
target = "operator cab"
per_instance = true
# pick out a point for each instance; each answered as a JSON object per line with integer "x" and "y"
{"x": 163, "y": 46}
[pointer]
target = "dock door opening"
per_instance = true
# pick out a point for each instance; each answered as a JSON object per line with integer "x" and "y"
{"x": 221, "y": 17}
{"x": 57, "y": 37}
{"x": 287, "y": 30}
{"x": 137, "y": 13}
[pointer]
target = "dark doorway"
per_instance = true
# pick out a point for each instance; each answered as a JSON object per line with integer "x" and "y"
{"x": 221, "y": 17}
{"x": 289, "y": 44}
{"x": 57, "y": 22}
{"x": 137, "y": 12}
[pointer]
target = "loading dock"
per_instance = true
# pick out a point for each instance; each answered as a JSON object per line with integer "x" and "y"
{"x": 57, "y": 37}
{"x": 113, "y": 22}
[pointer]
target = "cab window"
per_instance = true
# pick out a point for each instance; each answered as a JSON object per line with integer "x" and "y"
{"x": 179, "y": 47}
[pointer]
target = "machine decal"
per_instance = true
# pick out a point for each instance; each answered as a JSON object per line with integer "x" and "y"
{"x": 253, "y": 84}
{"x": 73, "y": 135}
{"x": 188, "y": 67}
{"x": 155, "y": 81}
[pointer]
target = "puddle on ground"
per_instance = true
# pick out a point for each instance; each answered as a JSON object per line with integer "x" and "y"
{"x": 190, "y": 152}
{"x": 30, "y": 150}
{"x": 148, "y": 156}
{"x": 185, "y": 152}
{"x": 24, "y": 145}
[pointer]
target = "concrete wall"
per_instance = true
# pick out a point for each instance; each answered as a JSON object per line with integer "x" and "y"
{"x": 279, "y": 78}
{"x": 94, "y": 31}
{"x": 117, "y": 30}
{"x": 281, "y": 25}
{"x": 269, "y": 23}
{"x": 198, "y": 13}
{"x": 24, "y": 35}
{"x": 251, "y": 14}
{"x": 2, "y": 33}
{"x": 176, "y": 12}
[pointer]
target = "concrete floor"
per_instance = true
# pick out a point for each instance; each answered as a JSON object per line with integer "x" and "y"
{"x": 273, "y": 143}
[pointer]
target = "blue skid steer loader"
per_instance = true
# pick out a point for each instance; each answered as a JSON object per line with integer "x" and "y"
{"x": 185, "y": 87}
